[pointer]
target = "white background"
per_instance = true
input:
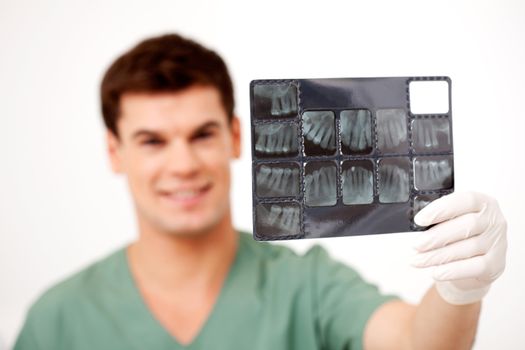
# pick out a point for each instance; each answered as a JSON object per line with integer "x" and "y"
{"x": 61, "y": 207}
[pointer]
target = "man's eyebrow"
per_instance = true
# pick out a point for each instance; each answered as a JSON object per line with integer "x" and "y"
{"x": 208, "y": 125}
{"x": 144, "y": 132}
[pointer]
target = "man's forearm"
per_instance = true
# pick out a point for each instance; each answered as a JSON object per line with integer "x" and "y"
{"x": 440, "y": 325}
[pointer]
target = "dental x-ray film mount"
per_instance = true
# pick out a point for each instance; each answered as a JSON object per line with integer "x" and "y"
{"x": 348, "y": 156}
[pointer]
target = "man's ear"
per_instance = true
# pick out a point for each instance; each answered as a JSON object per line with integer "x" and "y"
{"x": 236, "y": 136}
{"x": 113, "y": 149}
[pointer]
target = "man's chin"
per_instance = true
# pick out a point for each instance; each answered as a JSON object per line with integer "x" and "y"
{"x": 187, "y": 232}
{"x": 190, "y": 225}
{"x": 194, "y": 229}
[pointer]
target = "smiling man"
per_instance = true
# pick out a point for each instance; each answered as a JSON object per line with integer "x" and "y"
{"x": 191, "y": 281}
{"x": 175, "y": 149}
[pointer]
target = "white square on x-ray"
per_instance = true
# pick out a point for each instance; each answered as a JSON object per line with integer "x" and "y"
{"x": 428, "y": 97}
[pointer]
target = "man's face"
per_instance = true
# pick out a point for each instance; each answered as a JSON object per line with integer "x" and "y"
{"x": 175, "y": 149}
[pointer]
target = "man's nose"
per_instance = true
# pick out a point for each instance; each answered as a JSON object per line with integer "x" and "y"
{"x": 182, "y": 160}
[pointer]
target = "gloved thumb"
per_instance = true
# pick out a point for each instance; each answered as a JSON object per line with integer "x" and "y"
{"x": 449, "y": 207}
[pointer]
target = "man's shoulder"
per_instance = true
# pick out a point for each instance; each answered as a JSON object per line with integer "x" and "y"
{"x": 280, "y": 253}
{"x": 80, "y": 286}
{"x": 314, "y": 264}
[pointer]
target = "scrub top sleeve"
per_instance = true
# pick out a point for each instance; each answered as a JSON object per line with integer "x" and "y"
{"x": 343, "y": 301}
{"x": 26, "y": 339}
{"x": 41, "y": 329}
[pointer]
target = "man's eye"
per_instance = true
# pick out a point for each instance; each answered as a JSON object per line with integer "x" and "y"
{"x": 204, "y": 135}
{"x": 152, "y": 142}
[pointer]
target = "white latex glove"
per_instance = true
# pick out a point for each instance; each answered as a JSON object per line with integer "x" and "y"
{"x": 467, "y": 247}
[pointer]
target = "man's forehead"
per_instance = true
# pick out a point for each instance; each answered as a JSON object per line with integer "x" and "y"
{"x": 186, "y": 110}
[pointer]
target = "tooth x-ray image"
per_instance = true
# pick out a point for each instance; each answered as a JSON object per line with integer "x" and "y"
{"x": 433, "y": 173}
{"x": 394, "y": 184}
{"x": 276, "y": 140}
{"x": 344, "y": 156}
{"x": 358, "y": 183}
{"x": 319, "y": 132}
{"x": 356, "y": 131}
{"x": 431, "y": 134}
{"x": 282, "y": 219}
{"x": 277, "y": 180}
{"x": 275, "y": 101}
{"x": 392, "y": 135}
{"x": 320, "y": 184}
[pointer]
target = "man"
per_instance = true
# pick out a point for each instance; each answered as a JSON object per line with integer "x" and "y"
{"x": 190, "y": 281}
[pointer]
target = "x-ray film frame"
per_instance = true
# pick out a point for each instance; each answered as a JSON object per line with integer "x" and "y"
{"x": 339, "y": 156}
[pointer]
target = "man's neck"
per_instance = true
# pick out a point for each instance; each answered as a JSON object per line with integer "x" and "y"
{"x": 172, "y": 263}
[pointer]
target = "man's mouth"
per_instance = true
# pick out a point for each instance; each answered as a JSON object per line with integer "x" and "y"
{"x": 186, "y": 196}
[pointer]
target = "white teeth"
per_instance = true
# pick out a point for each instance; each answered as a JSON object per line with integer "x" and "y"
{"x": 186, "y": 194}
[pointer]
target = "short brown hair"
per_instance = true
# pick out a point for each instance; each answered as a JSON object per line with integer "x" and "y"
{"x": 167, "y": 63}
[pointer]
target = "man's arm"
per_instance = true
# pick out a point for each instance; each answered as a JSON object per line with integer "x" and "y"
{"x": 466, "y": 251}
{"x": 433, "y": 324}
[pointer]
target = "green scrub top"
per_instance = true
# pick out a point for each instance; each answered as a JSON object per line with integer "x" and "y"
{"x": 272, "y": 299}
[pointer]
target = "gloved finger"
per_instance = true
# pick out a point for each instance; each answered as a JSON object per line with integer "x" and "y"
{"x": 457, "y": 229}
{"x": 473, "y": 267}
{"x": 450, "y": 206}
{"x": 485, "y": 267}
{"x": 463, "y": 249}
